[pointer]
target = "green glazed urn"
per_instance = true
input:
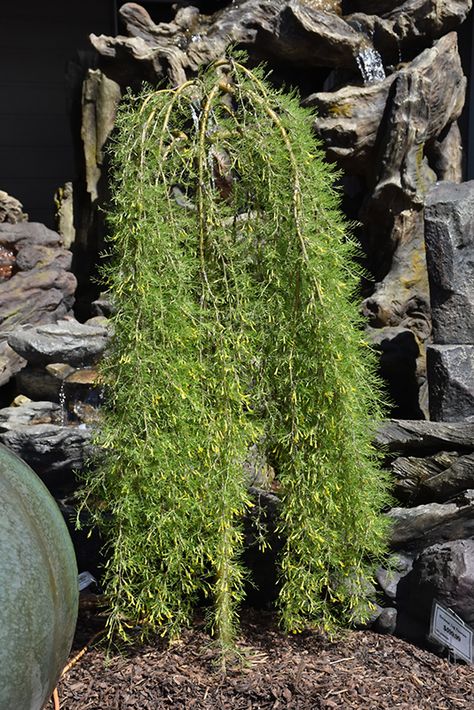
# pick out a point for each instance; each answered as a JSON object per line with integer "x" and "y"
{"x": 38, "y": 588}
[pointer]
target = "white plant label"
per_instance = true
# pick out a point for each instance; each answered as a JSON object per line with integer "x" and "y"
{"x": 451, "y": 631}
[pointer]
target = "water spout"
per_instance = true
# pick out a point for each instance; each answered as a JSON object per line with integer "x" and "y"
{"x": 370, "y": 65}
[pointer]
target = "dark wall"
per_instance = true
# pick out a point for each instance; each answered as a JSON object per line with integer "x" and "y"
{"x": 467, "y": 53}
{"x": 37, "y": 39}
{"x": 466, "y": 121}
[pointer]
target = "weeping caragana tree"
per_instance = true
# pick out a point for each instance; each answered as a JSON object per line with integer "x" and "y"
{"x": 233, "y": 276}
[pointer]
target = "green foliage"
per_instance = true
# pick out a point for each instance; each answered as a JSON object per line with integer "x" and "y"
{"x": 234, "y": 278}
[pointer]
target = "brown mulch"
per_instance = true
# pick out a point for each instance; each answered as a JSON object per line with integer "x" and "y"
{"x": 308, "y": 672}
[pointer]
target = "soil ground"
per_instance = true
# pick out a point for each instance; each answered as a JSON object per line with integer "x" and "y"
{"x": 360, "y": 669}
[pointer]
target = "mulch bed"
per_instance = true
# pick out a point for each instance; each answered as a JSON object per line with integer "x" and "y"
{"x": 308, "y": 672}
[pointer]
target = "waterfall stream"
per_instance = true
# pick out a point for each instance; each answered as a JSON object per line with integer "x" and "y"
{"x": 62, "y": 404}
{"x": 370, "y": 65}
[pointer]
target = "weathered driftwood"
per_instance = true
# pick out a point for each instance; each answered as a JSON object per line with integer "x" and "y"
{"x": 348, "y": 122}
{"x": 408, "y": 109}
{"x": 297, "y": 32}
{"x": 371, "y": 7}
{"x": 452, "y": 480}
{"x": 307, "y": 34}
{"x": 410, "y": 472}
{"x": 402, "y": 296}
{"x": 100, "y": 99}
{"x": 420, "y": 107}
{"x": 445, "y": 154}
{"x": 408, "y": 27}
{"x": 138, "y": 23}
{"x": 418, "y": 110}
{"x": 301, "y": 35}
{"x": 421, "y": 469}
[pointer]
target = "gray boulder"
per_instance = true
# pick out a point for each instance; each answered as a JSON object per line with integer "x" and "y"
{"x": 51, "y": 450}
{"x": 413, "y": 475}
{"x": 58, "y": 382}
{"x": 36, "y": 431}
{"x": 66, "y": 341}
{"x": 404, "y": 436}
{"x": 15, "y": 417}
{"x": 449, "y": 237}
{"x": 386, "y": 621}
{"x": 433, "y": 478}
{"x": 388, "y": 579}
{"x": 454, "y": 479}
{"x": 450, "y": 370}
{"x": 37, "y": 383}
{"x": 36, "y": 285}
{"x": 24, "y": 234}
{"x": 102, "y": 306}
{"x": 416, "y": 528}
{"x": 38, "y": 295}
{"x": 444, "y": 572}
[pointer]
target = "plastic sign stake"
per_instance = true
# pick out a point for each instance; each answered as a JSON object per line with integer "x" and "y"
{"x": 448, "y": 629}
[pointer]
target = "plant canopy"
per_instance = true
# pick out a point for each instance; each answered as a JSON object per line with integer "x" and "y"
{"x": 232, "y": 271}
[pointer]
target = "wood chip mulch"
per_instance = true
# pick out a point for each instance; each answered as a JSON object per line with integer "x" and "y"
{"x": 308, "y": 672}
